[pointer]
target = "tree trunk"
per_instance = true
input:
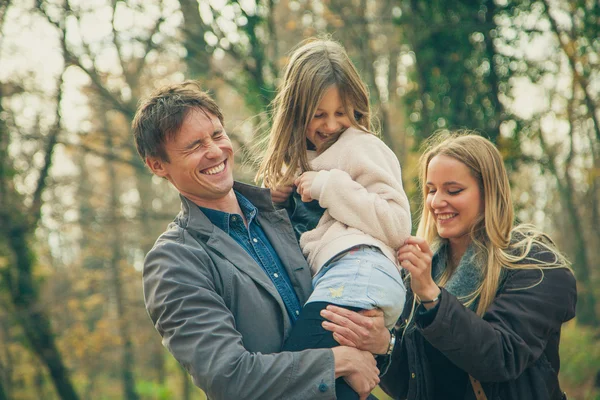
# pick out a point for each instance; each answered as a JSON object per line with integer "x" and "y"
{"x": 33, "y": 320}
{"x": 127, "y": 367}
{"x": 6, "y": 367}
{"x": 586, "y": 303}
{"x": 493, "y": 129}
{"x": 197, "y": 59}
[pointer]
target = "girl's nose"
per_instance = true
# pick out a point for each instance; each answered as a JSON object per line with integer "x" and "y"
{"x": 331, "y": 125}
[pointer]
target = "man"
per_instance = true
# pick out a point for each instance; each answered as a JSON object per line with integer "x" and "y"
{"x": 226, "y": 281}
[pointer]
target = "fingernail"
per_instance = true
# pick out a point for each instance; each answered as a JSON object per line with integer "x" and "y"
{"x": 324, "y": 312}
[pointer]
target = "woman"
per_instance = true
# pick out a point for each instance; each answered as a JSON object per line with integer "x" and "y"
{"x": 486, "y": 300}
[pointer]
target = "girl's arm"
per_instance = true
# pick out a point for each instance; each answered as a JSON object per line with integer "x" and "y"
{"x": 281, "y": 194}
{"x": 365, "y": 190}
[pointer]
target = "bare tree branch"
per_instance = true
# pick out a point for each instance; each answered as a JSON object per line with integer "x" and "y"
{"x": 115, "y": 40}
{"x": 569, "y": 50}
{"x": 36, "y": 205}
{"x": 149, "y": 45}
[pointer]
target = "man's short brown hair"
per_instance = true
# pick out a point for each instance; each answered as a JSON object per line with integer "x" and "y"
{"x": 160, "y": 116}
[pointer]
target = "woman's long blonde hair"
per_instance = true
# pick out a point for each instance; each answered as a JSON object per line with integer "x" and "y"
{"x": 499, "y": 244}
{"x": 314, "y": 66}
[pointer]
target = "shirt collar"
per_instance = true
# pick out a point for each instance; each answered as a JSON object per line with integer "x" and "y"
{"x": 222, "y": 219}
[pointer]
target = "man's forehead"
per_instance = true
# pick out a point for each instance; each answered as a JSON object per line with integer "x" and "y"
{"x": 202, "y": 115}
{"x": 198, "y": 125}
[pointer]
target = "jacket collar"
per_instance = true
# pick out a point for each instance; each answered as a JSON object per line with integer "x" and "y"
{"x": 276, "y": 227}
{"x": 192, "y": 218}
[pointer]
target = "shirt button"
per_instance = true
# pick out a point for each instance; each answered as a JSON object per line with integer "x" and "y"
{"x": 323, "y": 387}
{"x": 233, "y": 218}
{"x": 413, "y": 375}
{"x": 297, "y": 312}
{"x": 255, "y": 240}
{"x": 276, "y": 275}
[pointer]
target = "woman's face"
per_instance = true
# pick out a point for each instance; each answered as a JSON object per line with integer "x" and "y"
{"x": 453, "y": 198}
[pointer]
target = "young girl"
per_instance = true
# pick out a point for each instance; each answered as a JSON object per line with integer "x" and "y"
{"x": 320, "y": 142}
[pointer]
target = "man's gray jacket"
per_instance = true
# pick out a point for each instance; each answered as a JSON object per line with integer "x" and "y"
{"x": 220, "y": 315}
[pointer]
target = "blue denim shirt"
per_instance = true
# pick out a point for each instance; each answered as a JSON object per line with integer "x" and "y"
{"x": 256, "y": 243}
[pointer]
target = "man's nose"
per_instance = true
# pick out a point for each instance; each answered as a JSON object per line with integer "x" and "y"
{"x": 213, "y": 151}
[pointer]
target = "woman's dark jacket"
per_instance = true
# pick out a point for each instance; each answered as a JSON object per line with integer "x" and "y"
{"x": 512, "y": 350}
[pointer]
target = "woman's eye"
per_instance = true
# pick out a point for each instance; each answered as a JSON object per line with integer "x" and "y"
{"x": 318, "y": 115}
{"x": 431, "y": 191}
{"x": 340, "y": 114}
{"x": 453, "y": 192}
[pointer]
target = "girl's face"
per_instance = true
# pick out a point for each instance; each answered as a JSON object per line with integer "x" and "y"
{"x": 329, "y": 119}
{"x": 453, "y": 198}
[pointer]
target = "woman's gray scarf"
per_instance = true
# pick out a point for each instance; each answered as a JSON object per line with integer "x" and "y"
{"x": 465, "y": 279}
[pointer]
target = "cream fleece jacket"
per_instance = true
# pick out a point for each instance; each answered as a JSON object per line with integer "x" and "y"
{"x": 359, "y": 183}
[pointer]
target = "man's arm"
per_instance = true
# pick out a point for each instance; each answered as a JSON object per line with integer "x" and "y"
{"x": 199, "y": 330}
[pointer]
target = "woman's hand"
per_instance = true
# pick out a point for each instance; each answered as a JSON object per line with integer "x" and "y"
{"x": 415, "y": 256}
{"x": 280, "y": 194}
{"x": 364, "y": 330}
{"x": 304, "y": 185}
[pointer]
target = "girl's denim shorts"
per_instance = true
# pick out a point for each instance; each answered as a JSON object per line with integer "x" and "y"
{"x": 362, "y": 277}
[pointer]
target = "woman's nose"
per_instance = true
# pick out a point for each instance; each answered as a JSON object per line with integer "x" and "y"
{"x": 438, "y": 200}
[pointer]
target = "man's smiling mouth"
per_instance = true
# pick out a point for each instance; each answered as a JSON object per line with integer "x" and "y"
{"x": 214, "y": 170}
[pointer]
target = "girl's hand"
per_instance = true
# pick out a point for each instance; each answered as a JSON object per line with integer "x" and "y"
{"x": 415, "y": 256}
{"x": 364, "y": 330}
{"x": 281, "y": 193}
{"x": 304, "y": 184}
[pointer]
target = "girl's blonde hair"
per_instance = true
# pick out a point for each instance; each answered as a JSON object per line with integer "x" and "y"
{"x": 314, "y": 66}
{"x": 499, "y": 244}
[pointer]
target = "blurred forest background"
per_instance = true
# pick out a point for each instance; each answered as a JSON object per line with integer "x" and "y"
{"x": 78, "y": 208}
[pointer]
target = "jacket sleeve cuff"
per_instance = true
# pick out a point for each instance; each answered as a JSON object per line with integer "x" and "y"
{"x": 318, "y": 184}
{"x": 424, "y": 317}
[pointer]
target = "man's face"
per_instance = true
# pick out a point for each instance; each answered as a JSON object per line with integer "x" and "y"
{"x": 200, "y": 162}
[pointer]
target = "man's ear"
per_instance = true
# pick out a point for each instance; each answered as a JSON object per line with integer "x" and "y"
{"x": 157, "y": 166}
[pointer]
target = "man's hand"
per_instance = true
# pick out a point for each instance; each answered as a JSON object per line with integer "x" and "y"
{"x": 304, "y": 185}
{"x": 358, "y": 368}
{"x": 364, "y": 330}
{"x": 280, "y": 194}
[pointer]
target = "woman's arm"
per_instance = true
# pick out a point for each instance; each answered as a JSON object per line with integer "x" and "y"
{"x": 514, "y": 331}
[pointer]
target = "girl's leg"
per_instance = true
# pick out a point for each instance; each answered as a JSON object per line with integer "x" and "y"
{"x": 309, "y": 334}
